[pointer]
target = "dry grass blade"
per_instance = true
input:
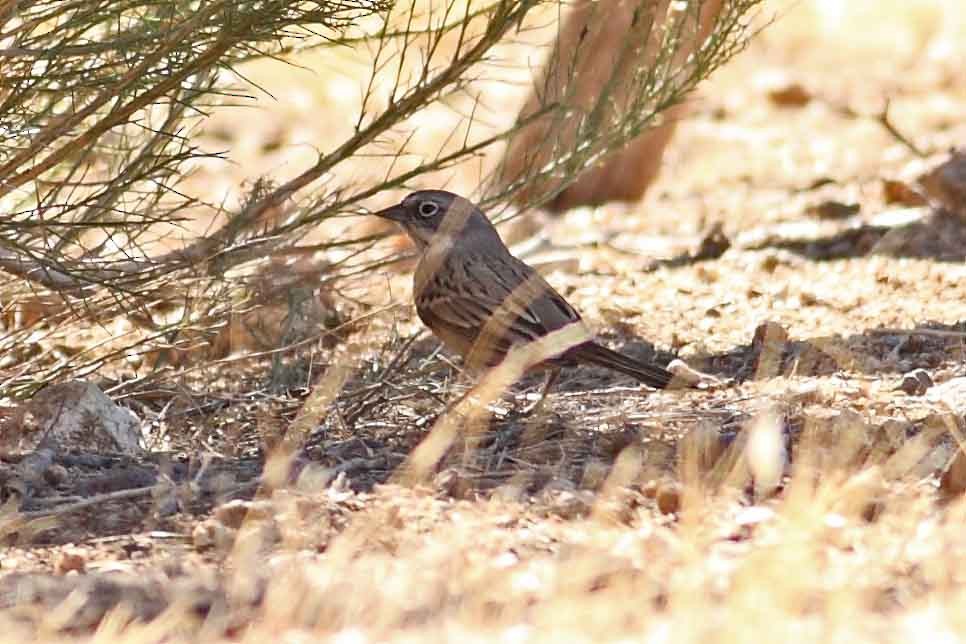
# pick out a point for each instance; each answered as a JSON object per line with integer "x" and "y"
{"x": 468, "y": 416}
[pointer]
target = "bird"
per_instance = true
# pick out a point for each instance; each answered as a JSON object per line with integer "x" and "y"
{"x": 482, "y": 302}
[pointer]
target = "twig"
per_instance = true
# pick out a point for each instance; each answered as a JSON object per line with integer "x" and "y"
{"x": 88, "y": 502}
{"x": 886, "y": 122}
{"x": 936, "y": 333}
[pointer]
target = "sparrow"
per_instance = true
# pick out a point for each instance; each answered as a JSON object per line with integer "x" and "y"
{"x": 482, "y": 302}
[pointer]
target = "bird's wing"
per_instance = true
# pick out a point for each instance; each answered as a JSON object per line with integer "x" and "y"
{"x": 502, "y": 292}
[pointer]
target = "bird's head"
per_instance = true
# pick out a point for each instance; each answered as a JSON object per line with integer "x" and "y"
{"x": 433, "y": 214}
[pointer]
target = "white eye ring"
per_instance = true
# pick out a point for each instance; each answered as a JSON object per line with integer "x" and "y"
{"x": 428, "y": 209}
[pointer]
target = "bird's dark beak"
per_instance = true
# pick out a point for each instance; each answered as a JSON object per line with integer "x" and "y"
{"x": 393, "y": 213}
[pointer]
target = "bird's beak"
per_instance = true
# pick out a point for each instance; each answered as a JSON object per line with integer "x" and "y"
{"x": 393, "y": 213}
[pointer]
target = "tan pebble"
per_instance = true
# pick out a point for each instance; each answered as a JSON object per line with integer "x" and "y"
{"x": 234, "y": 513}
{"x": 70, "y": 560}
{"x": 211, "y": 534}
{"x": 453, "y": 482}
{"x": 571, "y": 505}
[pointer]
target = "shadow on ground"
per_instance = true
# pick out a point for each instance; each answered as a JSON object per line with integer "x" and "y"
{"x": 941, "y": 237}
{"x": 369, "y": 431}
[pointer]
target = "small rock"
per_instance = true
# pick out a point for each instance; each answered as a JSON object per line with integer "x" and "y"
{"x": 56, "y": 475}
{"x": 767, "y": 349}
{"x": 649, "y": 489}
{"x": 953, "y": 481}
{"x": 946, "y": 183}
{"x": 70, "y": 560}
{"x": 790, "y": 95}
{"x": 234, "y": 513}
{"x": 899, "y": 192}
{"x": 212, "y": 533}
{"x": 570, "y": 505}
{"x": 808, "y": 393}
{"x": 689, "y": 376}
{"x": 713, "y": 245}
{"x": 454, "y": 483}
{"x": 668, "y": 497}
{"x": 76, "y": 416}
{"x": 916, "y": 382}
{"x": 834, "y": 210}
{"x": 872, "y": 510}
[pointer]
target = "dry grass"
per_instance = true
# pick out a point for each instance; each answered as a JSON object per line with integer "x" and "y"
{"x": 607, "y": 520}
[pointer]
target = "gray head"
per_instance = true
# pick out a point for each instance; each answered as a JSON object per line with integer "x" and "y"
{"x": 427, "y": 213}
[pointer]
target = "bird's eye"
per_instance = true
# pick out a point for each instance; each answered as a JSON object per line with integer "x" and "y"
{"x": 428, "y": 209}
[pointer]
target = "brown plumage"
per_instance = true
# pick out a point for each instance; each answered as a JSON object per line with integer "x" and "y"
{"x": 481, "y": 301}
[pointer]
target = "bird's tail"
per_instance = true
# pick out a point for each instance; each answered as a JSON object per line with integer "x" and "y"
{"x": 650, "y": 375}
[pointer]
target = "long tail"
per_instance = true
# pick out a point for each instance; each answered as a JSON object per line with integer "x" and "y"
{"x": 650, "y": 375}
